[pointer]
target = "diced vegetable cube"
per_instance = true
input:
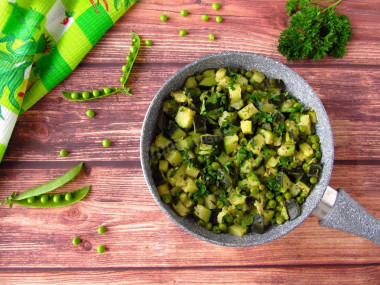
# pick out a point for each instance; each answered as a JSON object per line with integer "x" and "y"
{"x": 246, "y": 127}
{"x": 237, "y": 230}
{"x": 230, "y": 143}
{"x": 185, "y": 117}
{"x": 202, "y": 212}
{"x": 247, "y": 112}
{"x": 235, "y": 93}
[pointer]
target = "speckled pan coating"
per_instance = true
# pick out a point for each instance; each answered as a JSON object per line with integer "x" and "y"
{"x": 296, "y": 85}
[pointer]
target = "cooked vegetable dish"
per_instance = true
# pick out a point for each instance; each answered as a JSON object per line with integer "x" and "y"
{"x": 235, "y": 151}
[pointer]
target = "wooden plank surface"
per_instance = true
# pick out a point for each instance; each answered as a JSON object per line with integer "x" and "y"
{"x": 144, "y": 246}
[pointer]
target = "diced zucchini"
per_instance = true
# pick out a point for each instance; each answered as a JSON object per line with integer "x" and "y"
{"x": 179, "y": 96}
{"x": 202, "y": 212}
{"x": 223, "y": 158}
{"x": 178, "y": 178}
{"x": 209, "y": 73}
{"x": 299, "y": 156}
{"x": 161, "y": 141}
{"x": 185, "y": 117}
{"x": 210, "y": 201}
{"x": 293, "y": 208}
{"x": 237, "y": 105}
{"x": 158, "y": 177}
{"x": 208, "y": 82}
{"x": 285, "y": 183}
{"x": 242, "y": 81}
{"x": 305, "y": 124}
{"x": 246, "y": 127}
{"x": 190, "y": 186}
{"x": 284, "y": 213}
{"x": 272, "y": 162}
{"x": 268, "y": 136}
{"x": 235, "y": 93}
{"x": 192, "y": 171}
{"x": 225, "y": 179}
{"x": 205, "y": 149}
{"x": 286, "y": 149}
{"x": 305, "y": 189}
{"x": 249, "y": 182}
{"x": 163, "y": 165}
{"x": 200, "y": 124}
{"x": 184, "y": 143}
{"x": 294, "y": 190}
{"x": 163, "y": 189}
{"x": 173, "y": 131}
{"x": 313, "y": 116}
{"x": 227, "y": 117}
{"x": 313, "y": 170}
{"x": 247, "y": 112}
{"x": 306, "y": 149}
{"x": 220, "y": 74}
{"x": 268, "y": 215}
{"x": 211, "y": 139}
{"x": 267, "y": 108}
{"x": 224, "y": 82}
{"x": 230, "y": 143}
{"x": 191, "y": 82}
{"x": 174, "y": 157}
{"x": 256, "y": 144}
{"x": 258, "y": 77}
{"x": 221, "y": 215}
{"x": 258, "y": 224}
{"x": 237, "y": 230}
{"x": 181, "y": 209}
{"x": 170, "y": 108}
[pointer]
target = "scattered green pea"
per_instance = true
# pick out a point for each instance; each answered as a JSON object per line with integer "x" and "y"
{"x": 63, "y": 153}
{"x": 182, "y": 33}
{"x": 44, "y": 198}
{"x": 76, "y": 241}
{"x": 107, "y": 90}
{"x": 86, "y": 95}
{"x": 101, "y": 230}
{"x": 216, "y": 6}
{"x": 95, "y": 93}
{"x": 148, "y": 42}
{"x": 68, "y": 196}
{"x": 57, "y": 198}
{"x": 163, "y": 18}
{"x": 205, "y": 17}
{"x": 31, "y": 199}
{"x": 90, "y": 113}
{"x": 184, "y": 13}
{"x": 101, "y": 249}
{"x": 211, "y": 37}
{"x": 219, "y": 19}
{"x": 106, "y": 143}
{"x": 74, "y": 95}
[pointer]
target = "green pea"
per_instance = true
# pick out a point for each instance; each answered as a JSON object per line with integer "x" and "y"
{"x": 128, "y": 58}
{"x": 262, "y": 187}
{"x": 133, "y": 49}
{"x": 294, "y": 164}
{"x": 280, "y": 220}
{"x": 219, "y": 204}
{"x": 101, "y": 230}
{"x": 211, "y": 37}
{"x": 166, "y": 198}
{"x": 219, "y": 19}
{"x": 239, "y": 214}
{"x": 205, "y": 17}
{"x": 288, "y": 195}
{"x": 271, "y": 204}
{"x": 280, "y": 199}
{"x": 314, "y": 139}
{"x": 215, "y": 166}
{"x": 106, "y": 143}
{"x": 124, "y": 68}
{"x": 74, "y": 95}
{"x": 216, "y": 6}
{"x": 63, "y": 153}
{"x": 44, "y": 198}
{"x": 107, "y": 90}
{"x": 300, "y": 200}
{"x": 255, "y": 191}
{"x": 201, "y": 223}
{"x": 208, "y": 226}
{"x": 223, "y": 227}
{"x": 86, "y": 95}
{"x": 216, "y": 229}
{"x": 76, "y": 241}
{"x": 201, "y": 201}
{"x": 182, "y": 33}
{"x": 318, "y": 154}
{"x": 229, "y": 219}
{"x": 31, "y": 199}
{"x": 163, "y": 18}
{"x": 101, "y": 249}
{"x": 68, "y": 196}
{"x": 57, "y": 198}
{"x": 122, "y": 79}
{"x": 219, "y": 88}
{"x": 95, "y": 93}
{"x": 148, "y": 42}
{"x": 90, "y": 113}
{"x": 248, "y": 74}
{"x": 184, "y": 13}
{"x": 249, "y": 88}
{"x": 305, "y": 167}
{"x": 313, "y": 180}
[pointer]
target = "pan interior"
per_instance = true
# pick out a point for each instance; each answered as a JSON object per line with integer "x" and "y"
{"x": 296, "y": 85}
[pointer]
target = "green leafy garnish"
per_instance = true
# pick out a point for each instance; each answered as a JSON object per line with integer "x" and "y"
{"x": 314, "y": 31}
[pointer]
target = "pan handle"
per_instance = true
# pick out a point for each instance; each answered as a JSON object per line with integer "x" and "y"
{"x": 337, "y": 210}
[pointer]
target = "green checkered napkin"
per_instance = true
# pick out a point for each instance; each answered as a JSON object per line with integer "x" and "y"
{"x": 41, "y": 43}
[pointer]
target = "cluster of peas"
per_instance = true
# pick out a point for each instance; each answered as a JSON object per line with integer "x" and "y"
{"x": 205, "y": 17}
{"x": 100, "y": 248}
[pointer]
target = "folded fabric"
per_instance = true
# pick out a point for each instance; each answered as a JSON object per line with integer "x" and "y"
{"x": 41, "y": 43}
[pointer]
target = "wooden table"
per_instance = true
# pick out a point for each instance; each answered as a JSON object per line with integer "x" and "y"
{"x": 144, "y": 246}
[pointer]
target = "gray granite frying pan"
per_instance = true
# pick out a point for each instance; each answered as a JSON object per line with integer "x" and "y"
{"x": 336, "y": 209}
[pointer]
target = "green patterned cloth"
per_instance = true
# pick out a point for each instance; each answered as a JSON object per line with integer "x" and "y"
{"x": 41, "y": 43}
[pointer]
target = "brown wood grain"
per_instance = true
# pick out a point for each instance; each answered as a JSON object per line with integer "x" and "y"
{"x": 259, "y": 275}
{"x": 143, "y": 245}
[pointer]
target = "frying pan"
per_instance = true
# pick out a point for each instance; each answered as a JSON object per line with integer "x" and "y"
{"x": 335, "y": 209}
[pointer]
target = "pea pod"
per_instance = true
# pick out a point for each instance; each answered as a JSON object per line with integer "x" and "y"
{"x": 134, "y": 50}
{"x": 44, "y": 188}
{"x": 53, "y": 201}
{"x": 95, "y": 94}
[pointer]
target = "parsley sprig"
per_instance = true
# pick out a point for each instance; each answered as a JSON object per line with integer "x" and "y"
{"x": 314, "y": 31}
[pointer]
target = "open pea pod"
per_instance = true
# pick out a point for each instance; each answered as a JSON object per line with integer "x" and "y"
{"x": 133, "y": 51}
{"x": 95, "y": 94}
{"x": 54, "y": 200}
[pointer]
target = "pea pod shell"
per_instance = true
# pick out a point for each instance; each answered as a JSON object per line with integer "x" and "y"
{"x": 51, "y": 185}
{"x": 102, "y": 94}
{"x": 77, "y": 195}
{"x": 133, "y": 55}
